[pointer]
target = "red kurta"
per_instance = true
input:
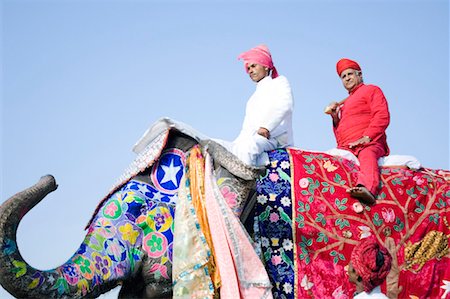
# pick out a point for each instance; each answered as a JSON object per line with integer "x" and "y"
{"x": 365, "y": 113}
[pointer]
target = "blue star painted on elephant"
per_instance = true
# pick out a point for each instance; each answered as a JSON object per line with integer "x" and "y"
{"x": 167, "y": 173}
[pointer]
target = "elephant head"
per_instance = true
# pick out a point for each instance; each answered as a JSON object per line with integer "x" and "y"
{"x": 129, "y": 238}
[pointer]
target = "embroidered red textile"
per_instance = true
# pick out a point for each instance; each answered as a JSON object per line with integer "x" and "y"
{"x": 410, "y": 219}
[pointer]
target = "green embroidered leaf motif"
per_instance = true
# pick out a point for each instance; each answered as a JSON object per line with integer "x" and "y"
{"x": 305, "y": 192}
{"x": 410, "y": 192}
{"x": 434, "y": 218}
{"x": 325, "y": 184}
{"x": 267, "y": 256}
{"x": 341, "y": 204}
{"x": 307, "y": 207}
{"x": 301, "y": 207}
{"x": 320, "y": 218}
{"x": 397, "y": 181}
{"x": 399, "y": 224}
{"x": 332, "y": 189}
{"x": 377, "y": 220}
{"x": 301, "y": 221}
{"x": 311, "y": 199}
{"x": 424, "y": 190}
{"x": 307, "y": 259}
{"x": 308, "y": 158}
{"x": 305, "y": 242}
{"x": 324, "y": 190}
{"x": 304, "y": 255}
{"x": 342, "y": 223}
{"x": 337, "y": 178}
{"x": 309, "y": 169}
{"x": 441, "y": 204}
{"x": 420, "y": 207}
{"x": 337, "y": 256}
{"x": 322, "y": 237}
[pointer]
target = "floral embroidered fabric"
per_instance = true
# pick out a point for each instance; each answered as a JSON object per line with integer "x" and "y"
{"x": 274, "y": 220}
{"x": 410, "y": 219}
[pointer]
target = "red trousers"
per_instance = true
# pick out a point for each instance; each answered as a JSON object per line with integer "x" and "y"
{"x": 369, "y": 173}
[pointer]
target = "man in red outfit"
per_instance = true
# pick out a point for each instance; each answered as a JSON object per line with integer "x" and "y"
{"x": 359, "y": 124}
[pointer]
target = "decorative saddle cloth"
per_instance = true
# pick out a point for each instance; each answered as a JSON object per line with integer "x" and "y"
{"x": 308, "y": 228}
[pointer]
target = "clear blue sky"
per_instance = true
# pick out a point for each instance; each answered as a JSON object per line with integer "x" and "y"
{"x": 82, "y": 80}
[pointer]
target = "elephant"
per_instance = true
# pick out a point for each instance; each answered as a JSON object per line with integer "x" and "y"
{"x": 129, "y": 238}
{"x": 296, "y": 209}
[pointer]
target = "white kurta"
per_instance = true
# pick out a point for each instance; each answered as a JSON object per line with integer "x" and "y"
{"x": 270, "y": 107}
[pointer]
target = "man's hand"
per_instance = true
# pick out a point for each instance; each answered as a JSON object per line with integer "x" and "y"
{"x": 332, "y": 109}
{"x": 361, "y": 141}
{"x": 264, "y": 132}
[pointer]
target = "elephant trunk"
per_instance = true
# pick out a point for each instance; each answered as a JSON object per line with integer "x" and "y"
{"x": 19, "y": 278}
{"x": 13, "y": 268}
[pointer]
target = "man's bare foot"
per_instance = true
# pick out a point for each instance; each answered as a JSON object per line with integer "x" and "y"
{"x": 362, "y": 194}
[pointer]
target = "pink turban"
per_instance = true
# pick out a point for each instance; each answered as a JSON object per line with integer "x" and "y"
{"x": 259, "y": 55}
{"x": 345, "y": 63}
{"x": 372, "y": 262}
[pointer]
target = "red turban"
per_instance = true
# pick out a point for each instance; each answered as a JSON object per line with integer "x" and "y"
{"x": 345, "y": 63}
{"x": 260, "y": 55}
{"x": 372, "y": 262}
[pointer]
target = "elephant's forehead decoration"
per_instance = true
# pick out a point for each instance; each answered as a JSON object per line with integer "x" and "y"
{"x": 167, "y": 172}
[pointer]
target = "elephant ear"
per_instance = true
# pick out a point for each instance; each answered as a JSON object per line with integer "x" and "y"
{"x": 230, "y": 162}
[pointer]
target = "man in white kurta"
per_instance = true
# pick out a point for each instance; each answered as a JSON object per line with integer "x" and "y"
{"x": 268, "y": 116}
{"x": 269, "y": 107}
